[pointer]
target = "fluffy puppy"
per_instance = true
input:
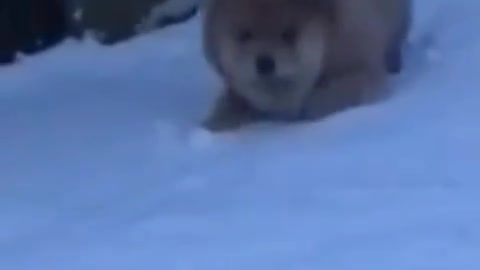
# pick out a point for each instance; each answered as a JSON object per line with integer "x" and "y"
{"x": 300, "y": 59}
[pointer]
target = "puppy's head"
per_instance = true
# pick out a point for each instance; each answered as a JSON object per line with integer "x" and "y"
{"x": 271, "y": 51}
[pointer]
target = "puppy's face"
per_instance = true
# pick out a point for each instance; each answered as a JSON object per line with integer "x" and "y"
{"x": 272, "y": 51}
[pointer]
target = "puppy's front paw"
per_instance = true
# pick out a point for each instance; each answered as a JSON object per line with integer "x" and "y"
{"x": 230, "y": 112}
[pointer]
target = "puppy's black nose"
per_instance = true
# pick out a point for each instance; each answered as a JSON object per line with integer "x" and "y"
{"x": 265, "y": 65}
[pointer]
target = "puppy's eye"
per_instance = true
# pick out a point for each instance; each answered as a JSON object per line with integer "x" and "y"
{"x": 244, "y": 35}
{"x": 289, "y": 35}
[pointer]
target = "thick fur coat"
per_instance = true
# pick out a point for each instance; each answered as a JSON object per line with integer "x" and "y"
{"x": 301, "y": 59}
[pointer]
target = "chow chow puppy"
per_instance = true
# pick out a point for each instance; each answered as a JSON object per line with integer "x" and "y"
{"x": 293, "y": 60}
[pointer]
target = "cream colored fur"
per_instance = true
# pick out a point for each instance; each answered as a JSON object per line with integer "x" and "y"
{"x": 338, "y": 61}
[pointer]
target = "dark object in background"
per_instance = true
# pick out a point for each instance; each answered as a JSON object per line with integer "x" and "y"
{"x": 30, "y": 26}
{"x": 114, "y": 21}
{"x": 33, "y": 26}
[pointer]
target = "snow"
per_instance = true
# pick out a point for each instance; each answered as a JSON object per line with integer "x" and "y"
{"x": 103, "y": 165}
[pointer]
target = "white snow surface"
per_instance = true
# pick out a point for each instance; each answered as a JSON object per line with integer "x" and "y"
{"x": 103, "y": 166}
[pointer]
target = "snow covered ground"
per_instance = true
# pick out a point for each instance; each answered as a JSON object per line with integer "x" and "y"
{"x": 102, "y": 165}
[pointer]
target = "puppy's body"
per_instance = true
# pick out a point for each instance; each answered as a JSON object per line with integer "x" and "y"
{"x": 300, "y": 59}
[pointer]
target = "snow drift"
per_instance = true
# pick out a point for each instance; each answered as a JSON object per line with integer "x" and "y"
{"x": 102, "y": 164}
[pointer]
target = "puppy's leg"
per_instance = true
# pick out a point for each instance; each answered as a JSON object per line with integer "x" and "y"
{"x": 229, "y": 112}
{"x": 394, "y": 56}
{"x": 357, "y": 87}
{"x": 394, "y": 60}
